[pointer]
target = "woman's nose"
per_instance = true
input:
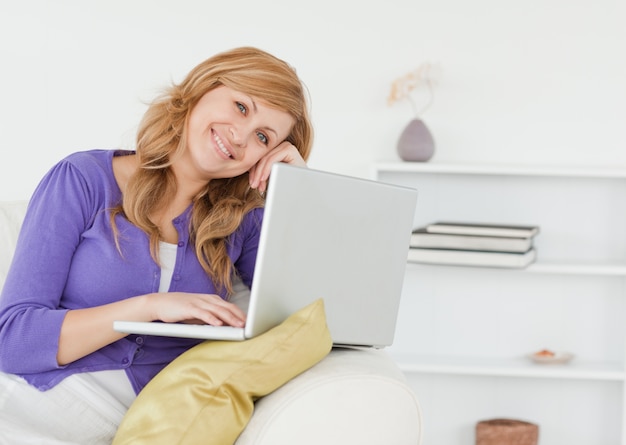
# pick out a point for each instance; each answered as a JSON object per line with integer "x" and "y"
{"x": 238, "y": 136}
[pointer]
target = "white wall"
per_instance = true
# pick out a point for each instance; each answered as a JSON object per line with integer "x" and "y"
{"x": 540, "y": 81}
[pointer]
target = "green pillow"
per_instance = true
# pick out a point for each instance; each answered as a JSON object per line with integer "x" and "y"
{"x": 206, "y": 396}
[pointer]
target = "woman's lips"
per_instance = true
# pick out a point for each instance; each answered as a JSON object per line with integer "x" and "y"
{"x": 221, "y": 146}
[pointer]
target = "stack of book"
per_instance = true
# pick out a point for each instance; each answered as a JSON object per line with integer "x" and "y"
{"x": 469, "y": 244}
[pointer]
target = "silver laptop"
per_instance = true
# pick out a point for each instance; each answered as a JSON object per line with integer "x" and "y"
{"x": 329, "y": 236}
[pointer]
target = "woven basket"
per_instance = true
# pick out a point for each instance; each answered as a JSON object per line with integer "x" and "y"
{"x": 506, "y": 432}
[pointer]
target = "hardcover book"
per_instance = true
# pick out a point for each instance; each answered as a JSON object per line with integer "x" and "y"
{"x": 461, "y": 228}
{"x": 424, "y": 239}
{"x": 472, "y": 257}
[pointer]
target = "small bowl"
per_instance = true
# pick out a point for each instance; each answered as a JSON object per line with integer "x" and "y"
{"x": 557, "y": 358}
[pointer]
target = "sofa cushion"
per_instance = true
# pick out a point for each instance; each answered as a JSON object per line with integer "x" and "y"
{"x": 207, "y": 394}
{"x": 11, "y": 217}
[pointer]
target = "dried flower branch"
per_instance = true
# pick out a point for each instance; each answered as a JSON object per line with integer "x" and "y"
{"x": 426, "y": 74}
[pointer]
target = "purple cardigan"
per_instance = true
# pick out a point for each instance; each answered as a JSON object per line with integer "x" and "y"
{"x": 66, "y": 258}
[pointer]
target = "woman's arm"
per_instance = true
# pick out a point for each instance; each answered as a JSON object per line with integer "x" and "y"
{"x": 30, "y": 304}
{"x": 86, "y": 330}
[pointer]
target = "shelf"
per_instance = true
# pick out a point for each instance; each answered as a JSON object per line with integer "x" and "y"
{"x": 499, "y": 170}
{"x": 514, "y": 367}
{"x": 608, "y": 269}
{"x": 617, "y": 269}
{"x": 454, "y": 319}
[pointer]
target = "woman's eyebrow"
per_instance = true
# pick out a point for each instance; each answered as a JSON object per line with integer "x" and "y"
{"x": 254, "y": 107}
{"x": 253, "y": 103}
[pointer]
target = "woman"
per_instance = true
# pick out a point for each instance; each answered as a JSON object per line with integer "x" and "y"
{"x": 156, "y": 234}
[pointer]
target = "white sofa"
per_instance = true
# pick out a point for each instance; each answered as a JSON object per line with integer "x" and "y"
{"x": 353, "y": 396}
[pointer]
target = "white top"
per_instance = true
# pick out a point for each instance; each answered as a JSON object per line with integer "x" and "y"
{"x": 167, "y": 257}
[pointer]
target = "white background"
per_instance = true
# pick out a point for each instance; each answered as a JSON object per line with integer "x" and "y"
{"x": 533, "y": 82}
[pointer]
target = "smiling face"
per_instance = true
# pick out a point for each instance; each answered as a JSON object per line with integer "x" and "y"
{"x": 229, "y": 131}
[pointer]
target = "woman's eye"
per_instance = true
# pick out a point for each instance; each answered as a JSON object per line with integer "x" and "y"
{"x": 242, "y": 108}
{"x": 262, "y": 138}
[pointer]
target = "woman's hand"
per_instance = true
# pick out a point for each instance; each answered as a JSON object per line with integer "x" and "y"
{"x": 284, "y": 152}
{"x": 195, "y": 308}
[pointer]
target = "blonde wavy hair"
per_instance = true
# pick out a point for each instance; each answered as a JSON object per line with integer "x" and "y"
{"x": 162, "y": 136}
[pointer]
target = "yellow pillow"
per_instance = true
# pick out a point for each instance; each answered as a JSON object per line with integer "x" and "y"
{"x": 206, "y": 396}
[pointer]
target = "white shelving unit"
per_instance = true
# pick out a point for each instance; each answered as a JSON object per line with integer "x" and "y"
{"x": 464, "y": 333}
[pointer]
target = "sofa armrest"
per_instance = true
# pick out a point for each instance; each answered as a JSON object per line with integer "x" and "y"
{"x": 351, "y": 396}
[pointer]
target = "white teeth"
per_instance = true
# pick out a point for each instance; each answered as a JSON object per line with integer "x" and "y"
{"x": 221, "y": 146}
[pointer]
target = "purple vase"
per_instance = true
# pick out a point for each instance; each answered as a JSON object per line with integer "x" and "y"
{"x": 416, "y": 144}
